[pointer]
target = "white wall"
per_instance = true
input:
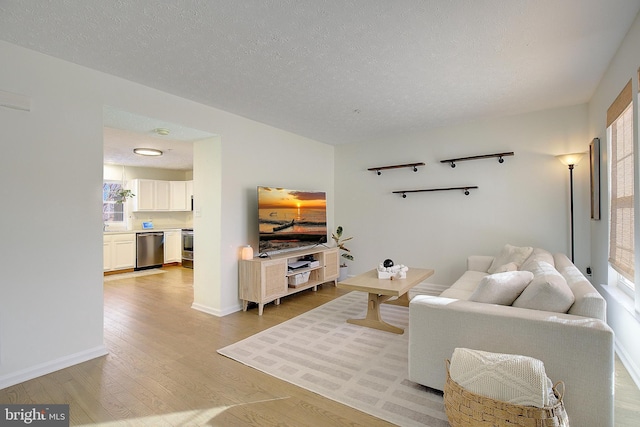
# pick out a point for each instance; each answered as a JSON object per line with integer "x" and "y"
{"x": 277, "y": 159}
{"x": 51, "y": 287}
{"x": 621, "y": 314}
{"x": 51, "y": 169}
{"x": 115, "y": 173}
{"x": 523, "y": 201}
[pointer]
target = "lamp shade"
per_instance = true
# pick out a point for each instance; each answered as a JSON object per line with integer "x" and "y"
{"x": 570, "y": 159}
{"x": 247, "y": 252}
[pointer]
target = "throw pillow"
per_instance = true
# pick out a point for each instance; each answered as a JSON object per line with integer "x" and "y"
{"x": 512, "y": 266}
{"x": 548, "y": 291}
{"x": 537, "y": 254}
{"x": 501, "y": 288}
{"x": 510, "y": 254}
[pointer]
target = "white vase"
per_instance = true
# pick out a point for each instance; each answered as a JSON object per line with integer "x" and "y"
{"x": 344, "y": 271}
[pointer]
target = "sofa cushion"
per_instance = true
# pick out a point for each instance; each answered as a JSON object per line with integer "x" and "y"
{"x": 501, "y": 288}
{"x": 510, "y": 254}
{"x": 465, "y": 285}
{"x": 547, "y": 291}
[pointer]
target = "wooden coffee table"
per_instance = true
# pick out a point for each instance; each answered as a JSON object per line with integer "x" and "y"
{"x": 380, "y": 291}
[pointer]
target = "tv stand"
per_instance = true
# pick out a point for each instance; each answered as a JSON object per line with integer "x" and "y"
{"x": 263, "y": 280}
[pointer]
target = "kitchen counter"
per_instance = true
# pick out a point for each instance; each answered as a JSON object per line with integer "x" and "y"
{"x": 142, "y": 231}
{"x": 128, "y": 249}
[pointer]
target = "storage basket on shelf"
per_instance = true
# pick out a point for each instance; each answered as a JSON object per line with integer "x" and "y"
{"x": 299, "y": 279}
{"x": 465, "y": 408}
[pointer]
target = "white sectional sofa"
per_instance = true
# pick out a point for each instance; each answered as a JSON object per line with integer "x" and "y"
{"x": 576, "y": 345}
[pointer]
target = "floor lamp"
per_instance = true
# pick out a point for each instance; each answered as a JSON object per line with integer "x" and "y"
{"x": 571, "y": 160}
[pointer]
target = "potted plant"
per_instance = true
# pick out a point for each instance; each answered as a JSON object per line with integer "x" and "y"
{"x": 337, "y": 237}
{"x": 123, "y": 195}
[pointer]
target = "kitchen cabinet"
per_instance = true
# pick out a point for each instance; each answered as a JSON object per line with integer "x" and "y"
{"x": 172, "y": 246}
{"x": 119, "y": 251}
{"x": 189, "y": 194}
{"x": 162, "y": 196}
{"x": 150, "y": 195}
{"x": 180, "y": 193}
{"x": 158, "y": 195}
{"x": 144, "y": 190}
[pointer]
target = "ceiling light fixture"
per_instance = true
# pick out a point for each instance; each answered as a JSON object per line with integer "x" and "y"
{"x": 162, "y": 131}
{"x": 147, "y": 151}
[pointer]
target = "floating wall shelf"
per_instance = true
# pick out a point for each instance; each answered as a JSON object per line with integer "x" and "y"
{"x": 466, "y": 190}
{"x": 484, "y": 156}
{"x": 408, "y": 165}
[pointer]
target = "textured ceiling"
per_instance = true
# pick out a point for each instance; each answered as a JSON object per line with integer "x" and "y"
{"x": 340, "y": 71}
{"x": 124, "y": 131}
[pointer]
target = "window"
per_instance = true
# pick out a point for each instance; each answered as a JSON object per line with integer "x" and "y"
{"x": 112, "y": 209}
{"x": 621, "y": 188}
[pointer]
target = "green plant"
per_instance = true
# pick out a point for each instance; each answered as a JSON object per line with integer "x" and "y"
{"x": 337, "y": 237}
{"x": 123, "y": 195}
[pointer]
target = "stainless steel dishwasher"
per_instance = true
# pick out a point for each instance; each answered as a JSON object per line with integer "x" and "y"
{"x": 149, "y": 250}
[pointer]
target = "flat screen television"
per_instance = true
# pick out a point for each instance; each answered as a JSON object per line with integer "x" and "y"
{"x": 290, "y": 219}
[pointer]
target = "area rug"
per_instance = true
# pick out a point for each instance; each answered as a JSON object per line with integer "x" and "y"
{"x": 132, "y": 274}
{"x": 361, "y": 367}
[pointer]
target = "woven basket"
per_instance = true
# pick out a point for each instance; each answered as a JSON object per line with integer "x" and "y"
{"x": 466, "y": 409}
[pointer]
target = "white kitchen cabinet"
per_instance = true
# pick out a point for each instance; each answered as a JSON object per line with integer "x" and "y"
{"x": 158, "y": 195}
{"x": 106, "y": 253}
{"x": 172, "y": 246}
{"x": 119, "y": 251}
{"x": 189, "y": 194}
{"x": 178, "y": 195}
{"x": 162, "y": 200}
{"x": 145, "y": 193}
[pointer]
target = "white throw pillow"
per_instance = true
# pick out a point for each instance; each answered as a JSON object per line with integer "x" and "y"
{"x": 501, "y": 288}
{"x": 510, "y": 254}
{"x": 512, "y": 266}
{"x": 538, "y": 254}
{"x": 548, "y": 291}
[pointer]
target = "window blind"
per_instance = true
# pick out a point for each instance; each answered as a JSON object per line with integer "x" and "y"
{"x": 621, "y": 237}
{"x": 620, "y": 104}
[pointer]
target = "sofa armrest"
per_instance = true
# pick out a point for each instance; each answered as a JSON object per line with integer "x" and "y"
{"x": 479, "y": 262}
{"x": 574, "y": 349}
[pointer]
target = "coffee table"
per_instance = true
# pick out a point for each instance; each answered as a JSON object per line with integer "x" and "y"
{"x": 380, "y": 291}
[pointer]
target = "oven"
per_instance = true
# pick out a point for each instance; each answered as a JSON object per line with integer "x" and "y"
{"x": 187, "y": 247}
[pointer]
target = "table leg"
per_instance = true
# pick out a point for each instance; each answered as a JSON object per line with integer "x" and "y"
{"x": 402, "y": 300}
{"x": 373, "y": 318}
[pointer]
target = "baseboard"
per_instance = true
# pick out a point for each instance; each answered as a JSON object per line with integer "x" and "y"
{"x": 52, "y": 366}
{"x": 625, "y": 322}
{"x": 215, "y": 311}
{"x": 628, "y": 362}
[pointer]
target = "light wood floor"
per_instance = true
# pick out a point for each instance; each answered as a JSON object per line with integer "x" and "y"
{"x": 163, "y": 369}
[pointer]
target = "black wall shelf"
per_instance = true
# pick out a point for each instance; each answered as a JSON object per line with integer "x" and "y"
{"x": 466, "y": 190}
{"x": 484, "y": 156}
{"x": 408, "y": 165}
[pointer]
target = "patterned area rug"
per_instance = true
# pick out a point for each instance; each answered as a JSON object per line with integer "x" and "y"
{"x": 131, "y": 274}
{"x": 360, "y": 367}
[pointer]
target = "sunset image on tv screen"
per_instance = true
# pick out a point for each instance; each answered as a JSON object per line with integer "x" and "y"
{"x": 290, "y": 219}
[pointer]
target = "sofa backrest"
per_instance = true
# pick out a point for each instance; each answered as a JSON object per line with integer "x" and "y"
{"x": 589, "y": 302}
